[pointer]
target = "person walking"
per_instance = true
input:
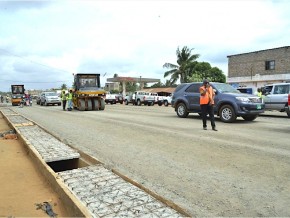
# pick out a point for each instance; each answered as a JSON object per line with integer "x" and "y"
{"x": 63, "y": 99}
{"x": 69, "y": 100}
{"x": 206, "y": 104}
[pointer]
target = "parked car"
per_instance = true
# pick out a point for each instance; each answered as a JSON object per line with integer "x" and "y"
{"x": 167, "y": 100}
{"x": 139, "y": 98}
{"x": 229, "y": 102}
{"x": 49, "y": 98}
{"x": 113, "y": 98}
{"x": 38, "y": 99}
{"x": 276, "y": 97}
{"x": 157, "y": 99}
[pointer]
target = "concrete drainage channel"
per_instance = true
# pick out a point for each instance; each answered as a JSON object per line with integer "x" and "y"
{"x": 86, "y": 187}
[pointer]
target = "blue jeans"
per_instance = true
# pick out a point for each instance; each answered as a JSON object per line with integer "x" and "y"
{"x": 70, "y": 105}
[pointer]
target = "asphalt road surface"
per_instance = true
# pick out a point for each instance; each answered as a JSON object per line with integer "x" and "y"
{"x": 241, "y": 170}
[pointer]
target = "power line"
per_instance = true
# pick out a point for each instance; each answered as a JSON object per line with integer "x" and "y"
{"x": 34, "y": 82}
{"x": 18, "y": 56}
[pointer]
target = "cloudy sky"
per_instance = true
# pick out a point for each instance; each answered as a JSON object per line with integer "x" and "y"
{"x": 42, "y": 43}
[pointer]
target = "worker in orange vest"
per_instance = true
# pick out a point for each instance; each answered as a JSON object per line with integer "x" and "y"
{"x": 206, "y": 104}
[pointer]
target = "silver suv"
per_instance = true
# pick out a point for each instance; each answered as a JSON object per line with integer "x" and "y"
{"x": 47, "y": 98}
{"x": 275, "y": 97}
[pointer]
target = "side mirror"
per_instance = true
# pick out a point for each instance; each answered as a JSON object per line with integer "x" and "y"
{"x": 214, "y": 90}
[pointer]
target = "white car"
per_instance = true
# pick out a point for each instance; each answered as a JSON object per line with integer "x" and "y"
{"x": 49, "y": 98}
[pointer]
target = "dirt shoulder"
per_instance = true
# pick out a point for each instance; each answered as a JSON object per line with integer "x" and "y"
{"x": 22, "y": 185}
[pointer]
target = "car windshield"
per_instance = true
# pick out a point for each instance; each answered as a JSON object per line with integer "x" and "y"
{"x": 51, "y": 94}
{"x": 224, "y": 88}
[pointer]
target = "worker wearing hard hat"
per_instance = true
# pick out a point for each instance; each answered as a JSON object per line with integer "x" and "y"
{"x": 206, "y": 104}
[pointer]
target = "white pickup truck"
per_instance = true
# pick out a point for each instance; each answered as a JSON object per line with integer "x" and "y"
{"x": 139, "y": 98}
{"x": 113, "y": 98}
{"x": 167, "y": 100}
{"x": 160, "y": 100}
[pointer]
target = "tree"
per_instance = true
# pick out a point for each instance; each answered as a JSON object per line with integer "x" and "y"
{"x": 185, "y": 61}
{"x": 203, "y": 70}
{"x": 63, "y": 86}
{"x": 131, "y": 87}
{"x": 157, "y": 85}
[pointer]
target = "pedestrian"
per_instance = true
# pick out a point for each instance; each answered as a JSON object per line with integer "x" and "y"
{"x": 63, "y": 97}
{"x": 69, "y": 100}
{"x": 207, "y": 103}
{"x": 2, "y": 98}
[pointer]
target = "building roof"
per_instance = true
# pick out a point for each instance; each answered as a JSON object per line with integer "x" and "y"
{"x": 285, "y": 47}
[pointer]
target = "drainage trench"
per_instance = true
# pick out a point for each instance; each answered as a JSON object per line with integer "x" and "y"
{"x": 86, "y": 185}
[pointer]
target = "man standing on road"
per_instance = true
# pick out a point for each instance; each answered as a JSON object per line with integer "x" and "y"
{"x": 206, "y": 104}
{"x": 69, "y": 100}
{"x": 63, "y": 99}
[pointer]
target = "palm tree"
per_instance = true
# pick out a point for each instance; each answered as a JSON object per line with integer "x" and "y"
{"x": 185, "y": 61}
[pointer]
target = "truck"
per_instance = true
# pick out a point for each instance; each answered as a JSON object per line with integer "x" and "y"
{"x": 157, "y": 99}
{"x": 113, "y": 98}
{"x": 140, "y": 97}
{"x": 17, "y": 94}
{"x": 160, "y": 100}
{"x": 87, "y": 93}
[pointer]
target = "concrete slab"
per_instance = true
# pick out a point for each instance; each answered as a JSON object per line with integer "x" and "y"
{"x": 107, "y": 195}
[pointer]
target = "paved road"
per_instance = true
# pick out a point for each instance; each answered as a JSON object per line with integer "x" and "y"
{"x": 241, "y": 170}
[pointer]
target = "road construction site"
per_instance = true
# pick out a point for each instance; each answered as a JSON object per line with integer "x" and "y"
{"x": 169, "y": 162}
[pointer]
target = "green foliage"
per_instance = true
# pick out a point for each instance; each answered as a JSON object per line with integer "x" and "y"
{"x": 190, "y": 70}
{"x": 131, "y": 87}
{"x": 185, "y": 60}
{"x": 115, "y": 91}
{"x": 157, "y": 85}
{"x": 63, "y": 87}
{"x": 203, "y": 70}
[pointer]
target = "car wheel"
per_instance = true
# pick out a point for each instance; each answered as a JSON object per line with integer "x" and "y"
{"x": 166, "y": 103}
{"x": 159, "y": 103}
{"x": 138, "y": 102}
{"x": 227, "y": 114}
{"x": 181, "y": 110}
{"x": 250, "y": 117}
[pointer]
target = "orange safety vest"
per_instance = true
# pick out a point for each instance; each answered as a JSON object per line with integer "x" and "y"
{"x": 207, "y": 97}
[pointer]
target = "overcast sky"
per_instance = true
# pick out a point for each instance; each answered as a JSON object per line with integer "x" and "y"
{"x": 42, "y": 43}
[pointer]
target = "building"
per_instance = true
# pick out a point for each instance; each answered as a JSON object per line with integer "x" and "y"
{"x": 258, "y": 68}
{"x": 112, "y": 86}
{"x": 140, "y": 80}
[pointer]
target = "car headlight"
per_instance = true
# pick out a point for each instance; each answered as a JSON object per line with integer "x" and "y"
{"x": 243, "y": 99}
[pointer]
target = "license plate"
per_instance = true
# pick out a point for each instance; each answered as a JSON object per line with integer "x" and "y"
{"x": 259, "y": 107}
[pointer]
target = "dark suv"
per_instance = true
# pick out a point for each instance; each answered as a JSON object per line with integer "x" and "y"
{"x": 229, "y": 102}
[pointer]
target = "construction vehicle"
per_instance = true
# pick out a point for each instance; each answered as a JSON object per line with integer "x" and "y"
{"x": 87, "y": 93}
{"x": 17, "y": 94}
